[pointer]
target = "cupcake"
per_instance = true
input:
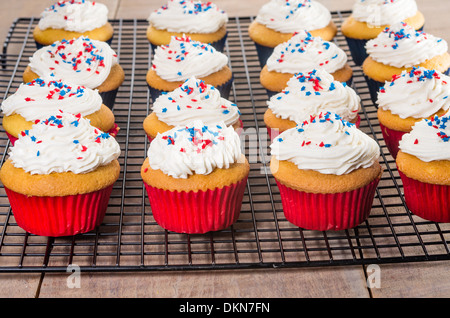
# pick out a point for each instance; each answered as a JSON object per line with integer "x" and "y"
{"x": 423, "y": 163}
{"x": 302, "y": 54}
{"x": 409, "y": 98}
{"x": 278, "y": 20}
{"x": 195, "y": 176}
{"x": 82, "y": 61}
{"x": 72, "y": 19}
{"x": 59, "y": 176}
{"x": 43, "y": 97}
{"x": 400, "y": 48}
{"x": 327, "y": 172}
{"x": 193, "y": 100}
{"x": 309, "y": 94}
{"x": 370, "y": 17}
{"x": 201, "y": 21}
{"x": 183, "y": 58}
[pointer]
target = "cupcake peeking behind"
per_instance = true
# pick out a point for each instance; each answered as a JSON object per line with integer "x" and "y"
{"x": 83, "y": 61}
{"x": 201, "y": 21}
{"x": 71, "y": 19}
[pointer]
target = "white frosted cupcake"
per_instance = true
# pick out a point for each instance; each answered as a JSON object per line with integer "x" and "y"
{"x": 191, "y": 101}
{"x": 201, "y": 21}
{"x": 72, "y": 19}
{"x": 278, "y": 20}
{"x": 59, "y": 176}
{"x": 370, "y": 17}
{"x": 308, "y": 95}
{"x": 327, "y": 172}
{"x": 302, "y": 54}
{"x": 195, "y": 176}
{"x": 81, "y": 61}
{"x": 184, "y": 58}
{"x": 43, "y": 97}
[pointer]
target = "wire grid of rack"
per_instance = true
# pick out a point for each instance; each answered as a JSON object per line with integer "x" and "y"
{"x": 130, "y": 240}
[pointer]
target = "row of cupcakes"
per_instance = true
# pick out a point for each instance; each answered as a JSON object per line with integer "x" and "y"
{"x": 195, "y": 173}
{"x": 405, "y": 69}
{"x": 62, "y": 167}
{"x": 63, "y": 162}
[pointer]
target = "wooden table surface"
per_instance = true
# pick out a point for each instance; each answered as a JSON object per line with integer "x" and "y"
{"x": 426, "y": 279}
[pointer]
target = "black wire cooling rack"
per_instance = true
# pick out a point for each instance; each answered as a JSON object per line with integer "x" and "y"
{"x": 130, "y": 240}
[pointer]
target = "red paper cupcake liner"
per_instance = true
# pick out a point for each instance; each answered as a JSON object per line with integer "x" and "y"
{"x": 392, "y": 138}
{"x": 238, "y": 131}
{"x": 113, "y": 132}
{"x": 328, "y": 211}
{"x": 60, "y": 215}
{"x": 196, "y": 212}
{"x": 275, "y": 132}
{"x": 428, "y": 201}
{"x": 11, "y": 138}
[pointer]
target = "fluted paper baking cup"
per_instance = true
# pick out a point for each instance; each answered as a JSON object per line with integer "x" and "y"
{"x": 392, "y": 138}
{"x": 197, "y": 212}
{"x": 357, "y": 50}
{"x": 327, "y": 211}
{"x": 264, "y": 52}
{"x": 109, "y": 98}
{"x": 60, "y": 215}
{"x": 428, "y": 201}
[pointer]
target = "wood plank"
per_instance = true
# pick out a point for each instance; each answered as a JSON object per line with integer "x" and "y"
{"x": 19, "y": 285}
{"x": 274, "y": 283}
{"x": 414, "y": 280}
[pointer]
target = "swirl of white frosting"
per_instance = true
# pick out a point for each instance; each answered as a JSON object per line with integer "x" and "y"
{"x": 303, "y": 53}
{"x": 63, "y": 143}
{"x": 419, "y": 93}
{"x": 429, "y": 139}
{"x": 43, "y": 97}
{"x": 326, "y": 144}
{"x": 74, "y": 15}
{"x": 401, "y": 46}
{"x": 314, "y": 93}
{"x": 383, "y": 12}
{"x": 195, "y": 100}
{"x": 289, "y": 16}
{"x": 189, "y": 17}
{"x": 195, "y": 148}
{"x": 83, "y": 61}
{"x": 183, "y": 58}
